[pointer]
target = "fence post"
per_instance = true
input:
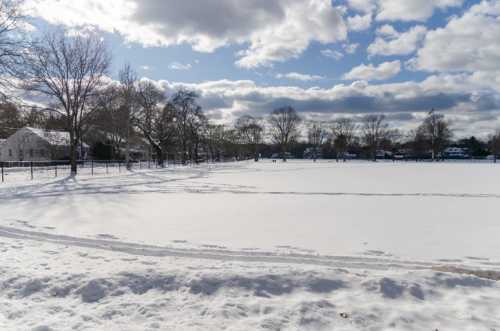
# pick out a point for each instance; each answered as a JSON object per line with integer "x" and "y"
{"x": 92, "y": 167}
{"x": 2, "y": 171}
{"x": 119, "y": 166}
{"x": 107, "y": 166}
{"x": 31, "y": 169}
{"x": 55, "y": 169}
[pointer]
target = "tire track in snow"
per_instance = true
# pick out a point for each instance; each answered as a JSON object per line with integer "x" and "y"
{"x": 374, "y": 194}
{"x": 219, "y": 254}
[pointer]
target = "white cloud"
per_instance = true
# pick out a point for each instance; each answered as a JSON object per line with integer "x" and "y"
{"x": 299, "y": 76}
{"x": 364, "y": 6}
{"x": 332, "y": 53}
{"x": 391, "y": 42}
{"x": 359, "y": 22}
{"x": 369, "y": 72}
{"x": 305, "y": 21}
{"x": 180, "y": 66}
{"x": 387, "y": 31}
{"x": 402, "y": 10}
{"x": 274, "y": 30}
{"x": 469, "y": 43}
{"x": 145, "y": 68}
{"x": 412, "y": 10}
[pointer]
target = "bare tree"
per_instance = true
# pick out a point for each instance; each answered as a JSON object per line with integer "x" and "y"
{"x": 219, "y": 141}
{"x": 343, "y": 133}
{"x": 251, "y": 131}
{"x": 437, "y": 132}
{"x": 155, "y": 119}
{"x": 187, "y": 113}
{"x": 10, "y": 119}
{"x": 374, "y": 130}
{"x": 128, "y": 80}
{"x": 69, "y": 70}
{"x": 284, "y": 126}
{"x": 13, "y": 43}
{"x": 316, "y": 136}
{"x": 112, "y": 117}
{"x": 495, "y": 145}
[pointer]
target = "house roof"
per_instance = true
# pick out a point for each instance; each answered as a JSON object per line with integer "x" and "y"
{"x": 55, "y": 138}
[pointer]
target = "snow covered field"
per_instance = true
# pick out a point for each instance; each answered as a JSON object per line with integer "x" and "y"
{"x": 296, "y": 246}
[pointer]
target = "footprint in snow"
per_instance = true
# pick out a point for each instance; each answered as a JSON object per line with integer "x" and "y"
{"x": 477, "y": 258}
{"x": 376, "y": 253}
{"x": 50, "y": 252}
{"x": 148, "y": 263}
{"x": 106, "y": 236}
{"x": 214, "y": 246}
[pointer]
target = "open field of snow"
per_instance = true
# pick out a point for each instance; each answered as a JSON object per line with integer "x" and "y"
{"x": 295, "y": 246}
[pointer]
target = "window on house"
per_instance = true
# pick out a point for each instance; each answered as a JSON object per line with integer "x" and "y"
{"x": 10, "y": 152}
{"x": 31, "y": 152}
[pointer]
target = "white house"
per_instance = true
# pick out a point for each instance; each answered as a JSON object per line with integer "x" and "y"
{"x": 31, "y": 144}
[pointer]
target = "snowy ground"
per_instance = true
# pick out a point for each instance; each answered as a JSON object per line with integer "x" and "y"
{"x": 296, "y": 246}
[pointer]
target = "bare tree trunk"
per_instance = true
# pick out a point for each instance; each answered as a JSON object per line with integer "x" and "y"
{"x": 127, "y": 146}
{"x": 73, "y": 154}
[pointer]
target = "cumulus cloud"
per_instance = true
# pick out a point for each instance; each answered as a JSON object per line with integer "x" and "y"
{"x": 467, "y": 43}
{"x": 412, "y": 10}
{"x": 391, "y": 42}
{"x": 402, "y": 10}
{"x": 359, "y": 22}
{"x": 299, "y": 76}
{"x": 369, "y": 72}
{"x": 364, "y": 6}
{"x": 274, "y": 30}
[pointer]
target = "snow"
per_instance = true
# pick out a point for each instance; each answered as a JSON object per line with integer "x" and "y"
{"x": 266, "y": 246}
{"x": 55, "y": 138}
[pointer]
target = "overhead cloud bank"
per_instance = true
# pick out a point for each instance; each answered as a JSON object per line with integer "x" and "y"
{"x": 273, "y": 30}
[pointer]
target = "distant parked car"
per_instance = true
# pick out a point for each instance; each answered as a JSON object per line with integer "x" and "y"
{"x": 399, "y": 156}
{"x": 350, "y": 156}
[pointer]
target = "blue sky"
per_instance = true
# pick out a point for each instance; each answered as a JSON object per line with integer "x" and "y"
{"x": 326, "y": 58}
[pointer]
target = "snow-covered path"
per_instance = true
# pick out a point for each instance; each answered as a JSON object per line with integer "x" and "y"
{"x": 297, "y": 246}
